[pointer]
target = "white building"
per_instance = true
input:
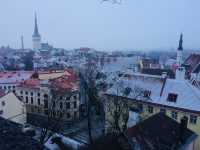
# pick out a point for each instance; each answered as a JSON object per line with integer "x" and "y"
{"x": 12, "y": 108}
{"x": 9, "y": 80}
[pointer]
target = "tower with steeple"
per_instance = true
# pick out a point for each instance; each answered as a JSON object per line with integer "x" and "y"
{"x": 180, "y": 51}
{"x": 180, "y": 71}
{"x": 36, "y": 38}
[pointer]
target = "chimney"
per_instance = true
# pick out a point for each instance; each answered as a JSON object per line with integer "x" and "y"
{"x": 164, "y": 79}
{"x": 183, "y": 128}
{"x": 180, "y": 73}
{"x": 164, "y": 75}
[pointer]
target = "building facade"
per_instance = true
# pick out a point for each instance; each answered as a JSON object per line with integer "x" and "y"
{"x": 57, "y": 97}
{"x": 148, "y": 95}
{"x": 12, "y": 108}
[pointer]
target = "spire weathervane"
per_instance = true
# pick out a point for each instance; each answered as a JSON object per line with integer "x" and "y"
{"x": 180, "y": 47}
{"x": 36, "y": 33}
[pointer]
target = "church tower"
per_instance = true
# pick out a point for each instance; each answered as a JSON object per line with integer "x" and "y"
{"x": 180, "y": 71}
{"x": 36, "y": 38}
{"x": 180, "y": 51}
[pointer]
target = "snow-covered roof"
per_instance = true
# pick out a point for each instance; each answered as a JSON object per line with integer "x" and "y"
{"x": 188, "y": 96}
{"x": 68, "y": 141}
{"x": 120, "y": 64}
{"x": 14, "y": 77}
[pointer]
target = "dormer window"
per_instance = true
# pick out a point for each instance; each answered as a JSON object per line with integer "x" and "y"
{"x": 3, "y": 103}
{"x": 147, "y": 93}
{"x": 1, "y": 112}
{"x": 172, "y": 97}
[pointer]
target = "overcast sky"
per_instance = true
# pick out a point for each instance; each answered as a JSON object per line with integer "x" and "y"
{"x": 135, "y": 24}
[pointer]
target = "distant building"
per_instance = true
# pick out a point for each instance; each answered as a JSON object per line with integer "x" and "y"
{"x": 36, "y": 38}
{"x": 46, "y": 46}
{"x": 159, "y": 72}
{"x": 160, "y": 132}
{"x": 192, "y": 65}
{"x": 147, "y": 63}
{"x": 9, "y": 80}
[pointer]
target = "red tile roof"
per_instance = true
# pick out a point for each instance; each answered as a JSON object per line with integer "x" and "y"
{"x": 193, "y": 60}
{"x": 31, "y": 83}
{"x": 66, "y": 82}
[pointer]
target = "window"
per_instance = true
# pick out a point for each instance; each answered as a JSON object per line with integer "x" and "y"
{"x": 67, "y": 98}
{"x": 75, "y": 105}
{"x": 31, "y": 93}
{"x": 174, "y": 115}
{"x": 1, "y": 112}
{"x": 54, "y": 113}
{"x": 9, "y": 87}
{"x": 38, "y": 101}
{"x": 45, "y": 96}
{"x": 162, "y": 110}
{"x": 45, "y": 103}
{"x": 54, "y": 104}
{"x": 193, "y": 119}
{"x": 31, "y": 100}
{"x": 3, "y": 103}
{"x": 75, "y": 114}
{"x": 26, "y": 99}
{"x": 61, "y": 105}
{"x": 46, "y": 112}
{"x": 67, "y": 105}
{"x": 5, "y": 87}
{"x": 13, "y": 87}
{"x": 147, "y": 93}
{"x": 74, "y": 97}
{"x": 150, "y": 109}
{"x": 61, "y": 115}
{"x": 68, "y": 115}
{"x": 172, "y": 97}
{"x": 22, "y": 97}
{"x": 38, "y": 94}
{"x": 21, "y": 92}
{"x": 61, "y": 97}
{"x": 32, "y": 109}
{"x": 26, "y": 93}
{"x": 140, "y": 107}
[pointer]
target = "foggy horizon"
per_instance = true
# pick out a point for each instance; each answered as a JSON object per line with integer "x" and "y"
{"x": 131, "y": 25}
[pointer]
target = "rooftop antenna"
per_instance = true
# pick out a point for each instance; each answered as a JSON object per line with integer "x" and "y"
{"x": 22, "y": 42}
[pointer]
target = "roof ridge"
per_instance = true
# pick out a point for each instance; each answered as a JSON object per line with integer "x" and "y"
{"x": 193, "y": 88}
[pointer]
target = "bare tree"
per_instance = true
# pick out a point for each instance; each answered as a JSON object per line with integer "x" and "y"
{"x": 118, "y": 107}
{"x": 88, "y": 77}
{"x": 52, "y": 123}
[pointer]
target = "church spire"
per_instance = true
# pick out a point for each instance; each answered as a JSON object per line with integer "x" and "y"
{"x": 36, "y": 38}
{"x": 36, "y": 33}
{"x": 180, "y": 47}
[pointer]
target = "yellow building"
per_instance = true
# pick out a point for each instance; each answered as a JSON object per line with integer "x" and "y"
{"x": 150, "y": 94}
